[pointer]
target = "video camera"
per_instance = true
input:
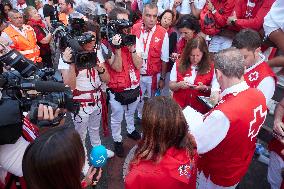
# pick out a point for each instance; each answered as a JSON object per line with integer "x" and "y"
{"x": 23, "y": 88}
{"x": 73, "y": 36}
{"x": 110, "y": 28}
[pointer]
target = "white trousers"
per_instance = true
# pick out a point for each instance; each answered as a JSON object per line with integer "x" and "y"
{"x": 166, "y": 89}
{"x": 88, "y": 119}
{"x": 276, "y": 164}
{"x": 146, "y": 85}
{"x": 219, "y": 43}
{"x": 117, "y": 111}
{"x": 206, "y": 183}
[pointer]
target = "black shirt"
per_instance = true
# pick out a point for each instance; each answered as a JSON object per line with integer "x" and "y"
{"x": 49, "y": 11}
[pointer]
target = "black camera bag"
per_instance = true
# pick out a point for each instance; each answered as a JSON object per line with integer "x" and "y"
{"x": 128, "y": 96}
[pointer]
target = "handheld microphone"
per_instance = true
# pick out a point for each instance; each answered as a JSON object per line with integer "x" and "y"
{"x": 98, "y": 156}
{"x": 45, "y": 86}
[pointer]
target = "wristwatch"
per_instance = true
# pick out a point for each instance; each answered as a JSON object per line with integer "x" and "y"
{"x": 162, "y": 78}
{"x": 102, "y": 72}
{"x": 233, "y": 22}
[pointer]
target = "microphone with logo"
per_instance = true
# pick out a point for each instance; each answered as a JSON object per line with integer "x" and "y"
{"x": 98, "y": 158}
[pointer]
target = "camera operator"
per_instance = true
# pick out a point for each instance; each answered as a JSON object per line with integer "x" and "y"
{"x": 11, "y": 155}
{"x": 124, "y": 87}
{"x": 25, "y": 88}
{"x": 86, "y": 85}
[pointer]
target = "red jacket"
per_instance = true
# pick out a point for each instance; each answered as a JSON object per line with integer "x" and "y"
{"x": 185, "y": 97}
{"x": 181, "y": 45}
{"x": 211, "y": 24}
{"x": 256, "y": 75}
{"x": 228, "y": 162}
{"x": 154, "y": 62}
{"x": 119, "y": 81}
{"x": 29, "y": 132}
{"x": 174, "y": 171}
{"x": 251, "y": 17}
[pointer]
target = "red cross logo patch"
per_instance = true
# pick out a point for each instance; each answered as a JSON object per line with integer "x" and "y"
{"x": 256, "y": 123}
{"x": 157, "y": 39}
{"x": 253, "y": 76}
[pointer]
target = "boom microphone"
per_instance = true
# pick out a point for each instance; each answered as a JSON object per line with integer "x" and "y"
{"x": 45, "y": 86}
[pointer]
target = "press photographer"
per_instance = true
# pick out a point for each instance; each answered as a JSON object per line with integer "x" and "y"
{"x": 85, "y": 76}
{"x": 124, "y": 88}
{"x": 112, "y": 27}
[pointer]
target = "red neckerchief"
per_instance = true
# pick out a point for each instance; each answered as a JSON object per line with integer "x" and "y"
{"x": 20, "y": 4}
{"x": 33, "y": 22}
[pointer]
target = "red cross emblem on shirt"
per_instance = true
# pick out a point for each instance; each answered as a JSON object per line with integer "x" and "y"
{"x": 253, "y": 76}
{"x": 256, "y": 123}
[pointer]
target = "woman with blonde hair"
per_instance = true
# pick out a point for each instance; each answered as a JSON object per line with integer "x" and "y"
{"x": 42, "y": 34}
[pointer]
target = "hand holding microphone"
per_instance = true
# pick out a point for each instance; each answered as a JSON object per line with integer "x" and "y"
{"x": 98, "y": 158}
{"x": 89, "y": 179}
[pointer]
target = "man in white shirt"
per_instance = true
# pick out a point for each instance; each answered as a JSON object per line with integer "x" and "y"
{"x": 181, "y": 6}
{"x": 227, "y": 136}
{"x": 86, "y": 84}
{"x": 155, "y": 53}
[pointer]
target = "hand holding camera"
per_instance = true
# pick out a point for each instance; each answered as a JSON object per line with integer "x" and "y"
{"x": 67, "y": 55}
{"x": 47, "y": 113}
{"x": 174, "y": 56}
{"x": 116, "y": 40}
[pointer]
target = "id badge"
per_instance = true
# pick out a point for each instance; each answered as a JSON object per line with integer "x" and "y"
{"x": 133, "y": 77}
{"x": 143, "y": 69}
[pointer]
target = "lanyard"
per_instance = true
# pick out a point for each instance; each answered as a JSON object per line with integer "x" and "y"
{"x": 145, "y": 42}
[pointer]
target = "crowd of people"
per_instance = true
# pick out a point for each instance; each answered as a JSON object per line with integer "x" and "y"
{"x": 183, "y": 51}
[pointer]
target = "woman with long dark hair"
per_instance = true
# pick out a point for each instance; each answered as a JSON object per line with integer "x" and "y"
{"x": 55, "y": 160}
{"x": 166, "y": 155}
{"x": 188, "y": 27}
{"x": 7, "y": 8}
{"x": 193, "y": 75}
